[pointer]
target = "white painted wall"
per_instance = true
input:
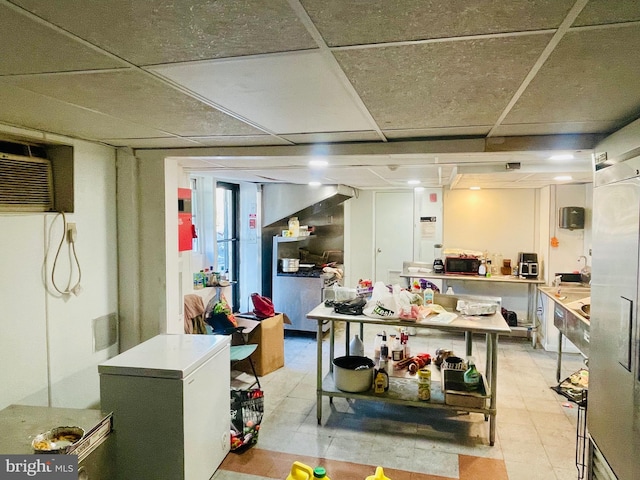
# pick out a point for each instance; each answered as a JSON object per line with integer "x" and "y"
{"x": 564, "y": 257}
{"x": 500, "y": 221}
{"x": 496, "y": 221}
{"x": 46, "y": 341}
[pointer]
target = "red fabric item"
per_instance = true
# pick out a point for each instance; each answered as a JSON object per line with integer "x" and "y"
{"x": 262, "y": 306}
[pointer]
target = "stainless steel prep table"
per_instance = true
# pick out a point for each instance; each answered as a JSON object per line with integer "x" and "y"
{"x": 531, "y": 290}
{"x": 491, "y": 326}
{"x": 569, "y": 322}
{"x": 96, "y": 453}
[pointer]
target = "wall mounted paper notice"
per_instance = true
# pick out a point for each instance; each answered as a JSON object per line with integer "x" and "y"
{"x": 428, "y": 227}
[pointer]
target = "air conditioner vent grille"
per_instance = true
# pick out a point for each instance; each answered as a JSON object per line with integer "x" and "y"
{"x": 26, "y": 184}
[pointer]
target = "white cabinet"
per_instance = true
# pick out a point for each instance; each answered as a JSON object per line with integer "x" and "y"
{"x": 170, "y": 402}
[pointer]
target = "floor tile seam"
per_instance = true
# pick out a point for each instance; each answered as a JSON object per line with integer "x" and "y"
{"x": 323, "y": 460}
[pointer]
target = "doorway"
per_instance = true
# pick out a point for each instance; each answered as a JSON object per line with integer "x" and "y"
{"x": 393, "y": 233}
{"x": 227, "y": 241}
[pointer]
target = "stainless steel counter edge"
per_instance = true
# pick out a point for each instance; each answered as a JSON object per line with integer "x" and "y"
{"x": 478, "y": 324}
{"x": 566, "y": 299}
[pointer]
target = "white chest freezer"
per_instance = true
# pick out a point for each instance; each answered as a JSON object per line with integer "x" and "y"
{"x": 171, "y": 409}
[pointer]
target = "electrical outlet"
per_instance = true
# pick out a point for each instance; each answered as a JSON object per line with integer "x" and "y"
{"x": 72, "y": 232}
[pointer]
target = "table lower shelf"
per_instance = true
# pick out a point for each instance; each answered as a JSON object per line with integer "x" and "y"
{"x": 522, "y": 330}
{"x": 402, "y": 391}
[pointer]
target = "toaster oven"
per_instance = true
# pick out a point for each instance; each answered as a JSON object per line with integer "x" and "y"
{"x": 461, "y": 265}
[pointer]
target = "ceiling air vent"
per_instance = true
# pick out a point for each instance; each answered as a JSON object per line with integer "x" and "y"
{"x": 26, "y": 183}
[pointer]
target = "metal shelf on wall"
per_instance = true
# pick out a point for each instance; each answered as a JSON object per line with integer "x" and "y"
{"x": 281, "y": 239}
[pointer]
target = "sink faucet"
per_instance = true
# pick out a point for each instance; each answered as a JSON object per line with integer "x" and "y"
{"x": 585, "y": 260}
{"x": 585, "y": 273}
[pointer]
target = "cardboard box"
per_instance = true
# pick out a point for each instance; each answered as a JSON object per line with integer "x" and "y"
{"x": 268, "y": 334}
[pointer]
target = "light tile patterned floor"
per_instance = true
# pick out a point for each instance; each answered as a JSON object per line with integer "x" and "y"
{"x": 536, "y": 428}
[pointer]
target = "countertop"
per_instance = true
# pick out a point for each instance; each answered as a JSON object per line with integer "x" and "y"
{"x": 571, "y": 297}
{"x": 451, "y": 276}
{"x": 21, "y": 423}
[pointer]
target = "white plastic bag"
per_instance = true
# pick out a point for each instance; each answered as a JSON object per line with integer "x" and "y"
{"x": 385, "y": 303}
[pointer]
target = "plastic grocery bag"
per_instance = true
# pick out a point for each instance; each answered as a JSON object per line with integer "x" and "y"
{"x": 387, "y": 302}
{"x": 247, "y": 409}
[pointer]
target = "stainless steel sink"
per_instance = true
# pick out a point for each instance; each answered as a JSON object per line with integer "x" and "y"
{"x": 582, "y": 307}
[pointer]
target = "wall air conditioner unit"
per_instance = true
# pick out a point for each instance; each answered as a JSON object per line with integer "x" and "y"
{"x": 26, "y": 183}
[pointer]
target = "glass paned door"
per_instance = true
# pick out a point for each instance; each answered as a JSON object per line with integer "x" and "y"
{"x": 227, "y": 236}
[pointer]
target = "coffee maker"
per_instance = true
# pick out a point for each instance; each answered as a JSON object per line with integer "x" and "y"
{"x": 528, "y": 265}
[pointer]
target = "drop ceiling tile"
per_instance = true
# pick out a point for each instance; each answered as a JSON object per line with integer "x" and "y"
{"x": 147, "y": 32}
{"x": 23, "y": 108}
{"x": 30, "y": 47}
{"x": 453, "y": 84}
{"x": 598, "y": 12}
{"x": 136, "y": 97}
{"x": 588, "y": 78}
{"x": 378, "y": 21}
{"x": 286, "y": 93}
{"x": 333, "y": 137}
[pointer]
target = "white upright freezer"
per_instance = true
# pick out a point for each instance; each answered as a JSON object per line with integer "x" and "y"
{"x": 171, "y": 406}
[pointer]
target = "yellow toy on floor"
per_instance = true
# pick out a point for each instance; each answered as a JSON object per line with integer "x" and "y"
{"x": 379, "y": 475}
{"x": 300, "y": 471}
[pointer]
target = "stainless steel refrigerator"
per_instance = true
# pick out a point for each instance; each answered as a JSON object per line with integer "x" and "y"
{"x": 613, "y": 414}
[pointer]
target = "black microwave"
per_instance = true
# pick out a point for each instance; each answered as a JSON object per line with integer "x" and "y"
{"x": 461, "y": 265}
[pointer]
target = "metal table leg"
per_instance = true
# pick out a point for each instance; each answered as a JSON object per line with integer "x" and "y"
{"x": 487, "y": 367}
{"x": 468, "y": 342}
{"x": 493, "y": 353}
{"x": 319, "y": 371}
{"x": 558, "y": 368}
{"x": 532, "y": 303}
{"x": 332, "y": 345}
{"x": 347, "y": 336}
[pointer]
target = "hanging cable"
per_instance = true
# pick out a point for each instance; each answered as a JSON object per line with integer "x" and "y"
{"x": 70, "y": 238}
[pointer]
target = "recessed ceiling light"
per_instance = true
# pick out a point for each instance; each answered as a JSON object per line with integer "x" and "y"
{"x": 414, "y": 182}
{"x": 474, "y": 188}
{"x": 318, "y": 163}
{"x": 562, "y": 156}
{"x": 563, "y": 178}
{"x": 315, "y": 184}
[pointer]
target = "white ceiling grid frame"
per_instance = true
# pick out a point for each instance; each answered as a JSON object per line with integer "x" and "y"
{"x": 560, "y": 32}
{"x": 335, "y": 66}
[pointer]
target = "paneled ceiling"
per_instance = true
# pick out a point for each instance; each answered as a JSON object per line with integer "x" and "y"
{"x": 444, "y": 92}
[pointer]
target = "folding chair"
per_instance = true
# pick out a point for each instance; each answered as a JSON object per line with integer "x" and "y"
{"x": 221, "y": 325}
